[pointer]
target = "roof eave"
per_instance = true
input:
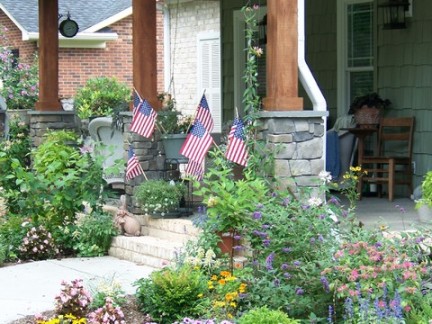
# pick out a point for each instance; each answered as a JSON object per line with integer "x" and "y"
{"x": 111, "y": 20}
{"x": 20, "y": 27}
{"x": 81, "y": 40}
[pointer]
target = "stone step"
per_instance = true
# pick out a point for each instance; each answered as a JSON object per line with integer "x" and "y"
{"x": 176, "y": 229}
{"x": 146, "y": 250}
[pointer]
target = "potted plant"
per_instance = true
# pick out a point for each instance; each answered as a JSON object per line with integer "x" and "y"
{"x": 173, "y": 126}
{"x": 160, "y": 198}
{"x": 102, "y": 97}
{"x": 367, "y": 109}
{"x": 424, "y": 204}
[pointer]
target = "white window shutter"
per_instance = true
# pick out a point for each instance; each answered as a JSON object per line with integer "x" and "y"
{"x": 209, "y": 75}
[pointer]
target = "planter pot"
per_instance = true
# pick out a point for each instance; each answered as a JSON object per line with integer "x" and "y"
{"x": 172, "y": 144}
{"x": 367, "y": 117}
{"x": 227, "y": 243}
{"x": 425, "y": 213}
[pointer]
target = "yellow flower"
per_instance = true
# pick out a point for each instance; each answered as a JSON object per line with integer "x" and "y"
{"x": 233, "y": 304}
{"x": 222, "y": 281}
{"x": 225, "y": 274}
{"x": 200, "y": 295}
{"x": 214, "y": 278}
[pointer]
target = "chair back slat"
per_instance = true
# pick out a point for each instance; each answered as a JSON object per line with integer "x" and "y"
{"x": 396, "y": 129}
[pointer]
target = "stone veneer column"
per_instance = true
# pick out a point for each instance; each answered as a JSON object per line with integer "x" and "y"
{"x": 297, "y": 138}
{"x": 149, "y": 153}
{"x": 42, "y": 121}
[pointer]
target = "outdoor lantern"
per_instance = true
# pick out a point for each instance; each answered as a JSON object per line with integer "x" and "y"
{"x": 394, "y": 14}
{"x": 262, "y": 30}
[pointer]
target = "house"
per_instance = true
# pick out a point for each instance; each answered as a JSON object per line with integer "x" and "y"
{"x": 349, "y": 52}
{"x": 102, "y": 47}
{"x": 346, "y": 51}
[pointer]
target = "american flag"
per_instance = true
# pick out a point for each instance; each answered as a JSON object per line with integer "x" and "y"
{"x": 203, "y": 114}
{"x": 137, "y": 101}
{"x": 197, "y": 142}
{"x": 194, "y": 169}
{"x": 143, "y": 122}
{"x": 237, "y": 151}
{"x": 133, "y": 167}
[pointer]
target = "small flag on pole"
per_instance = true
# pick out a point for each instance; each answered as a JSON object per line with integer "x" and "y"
{"x": 133, "y": 167}
{"x": 237, "y": 151}
{"x": 197, "y": 142}
{"x": 137, "y": 101}
{"x": 194, "y": 169}
{"x": 203, "y": 114}
{"x": 143, "y": 122}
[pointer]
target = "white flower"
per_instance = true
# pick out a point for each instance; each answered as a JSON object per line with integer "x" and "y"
{"x": 315, "y": 201}
{"x": 325, "y": 176}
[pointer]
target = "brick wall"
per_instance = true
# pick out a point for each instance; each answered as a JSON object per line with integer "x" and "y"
{"x": 76, "y": 65}
{"x": 13, "y": 38}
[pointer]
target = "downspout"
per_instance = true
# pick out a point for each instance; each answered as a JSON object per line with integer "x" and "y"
{"x": 167, "y": 47}
{"x": 306, "y": 78}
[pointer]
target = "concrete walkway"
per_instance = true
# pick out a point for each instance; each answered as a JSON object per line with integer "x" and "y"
{"x": 30, "y": 288}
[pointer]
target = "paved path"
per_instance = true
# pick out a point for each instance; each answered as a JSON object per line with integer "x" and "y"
{"x": 30, "y": 288}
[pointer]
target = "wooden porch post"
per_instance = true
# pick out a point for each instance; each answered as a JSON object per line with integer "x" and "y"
{"x": 144, "y": 50}
{"x": 282, "y": 60}
{"x": 48, "y": 56}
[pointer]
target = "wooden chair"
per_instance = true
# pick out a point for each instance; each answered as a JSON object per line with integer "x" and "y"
{"x": 393, "y": 163}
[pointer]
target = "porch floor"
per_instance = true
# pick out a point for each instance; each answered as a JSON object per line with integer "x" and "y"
{"x": 398, "y": 215}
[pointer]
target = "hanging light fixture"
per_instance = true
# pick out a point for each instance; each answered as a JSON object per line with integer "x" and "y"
{"x": 394, "y": 13}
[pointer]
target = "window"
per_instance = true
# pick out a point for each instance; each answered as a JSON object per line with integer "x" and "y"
{"x": 209, "y": 75}
{"x": 356, "y": 51}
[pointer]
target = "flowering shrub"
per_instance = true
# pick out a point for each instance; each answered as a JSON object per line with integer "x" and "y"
{"x": 108, "y": 314}
{"x": 170, "y": 294}
{"x": 377, "y": 271}
{"x": 60, "y": 319}
{"x": 38, "y": 244}
{"x": 73, "y": 299}
{"x": 159, "y": 196}
{"x": 20, "y": 81}
{"x": 107, "y": 289}
{"x": 226, "y": 292}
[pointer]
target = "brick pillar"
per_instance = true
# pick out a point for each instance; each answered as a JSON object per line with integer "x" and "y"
{"x": 42, "y": 121}
{"x": 297, "y": 137}
{"x": 150, "y": 155}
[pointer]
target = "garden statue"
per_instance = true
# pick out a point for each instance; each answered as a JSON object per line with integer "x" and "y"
{"x": 127, "y": 224}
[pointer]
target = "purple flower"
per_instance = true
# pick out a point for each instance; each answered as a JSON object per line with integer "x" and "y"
{"x": 299, "y": 291}
{"x": 287, "y": 275}
{"x": 266, "y": 242}
{"x": 312, "y": 240}
{"x": 265, "y": 226}
{"x": 257, "y": 215}
{"x": 296, "y": 263}
{"x": 276, "y": 282}
{"x": 237, "y": 237}
{"x": 333, "y": 200}
{"x": 286, "y": 249}
{"x": 237, "y": 247}
{"x": 321, "y": 216}
{"x": 325, "y": 283}
{"x": 269, "y": 261}
{"x": 286, "y": 201}
{"x": 260, "y": 206}
{"x": 284, "y": 266}
{"x": 320, "y": 238}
